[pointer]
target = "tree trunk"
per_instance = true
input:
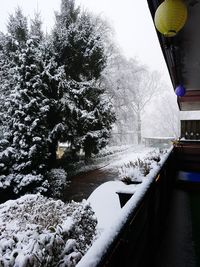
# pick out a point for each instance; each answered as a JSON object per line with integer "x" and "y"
{"x": 139, "y": 134}
{"x": 52, "y": 151}
{"x": 88, "y": 153}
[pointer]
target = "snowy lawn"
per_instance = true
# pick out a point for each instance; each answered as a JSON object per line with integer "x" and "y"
{"x": 38, "y": 231}
{"x": 113, "y": 157}
{"x": 106, "y": 156}
{"x": 131, "y": 154}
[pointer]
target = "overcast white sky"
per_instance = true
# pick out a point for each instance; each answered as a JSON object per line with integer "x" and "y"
{"x": 130, "y": 18}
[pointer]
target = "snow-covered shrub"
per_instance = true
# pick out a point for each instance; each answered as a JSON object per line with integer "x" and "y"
{"x": 6, "y": 156}
{"x": 37, "y": 231}
{"x": 20, "y": 183}
{"x": 57, "y": 179}
{"x": 162, "y": 151}
{"x": 134, "y": 171}
{"x": 154, "y": 155}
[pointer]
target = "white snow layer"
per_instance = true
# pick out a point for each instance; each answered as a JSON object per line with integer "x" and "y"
{"x": 105, "y": 202}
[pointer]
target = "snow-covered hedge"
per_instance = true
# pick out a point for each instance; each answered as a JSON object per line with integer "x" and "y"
{"x": 21, "y": 183}
{"x": 17, "y": 184}
{"x": 135, "y": 171}
{"x": 38, "y": 231}
{"x": 57, "y": 179}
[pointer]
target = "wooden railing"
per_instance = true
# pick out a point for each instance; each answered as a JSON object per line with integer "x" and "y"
{"x": 187, "y": 154}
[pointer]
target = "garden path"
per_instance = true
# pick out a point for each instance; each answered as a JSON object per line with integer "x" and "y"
{"x": 82, "y": 185}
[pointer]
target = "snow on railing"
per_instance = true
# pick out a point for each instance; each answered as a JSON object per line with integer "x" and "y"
{"x": 98, "y": 250}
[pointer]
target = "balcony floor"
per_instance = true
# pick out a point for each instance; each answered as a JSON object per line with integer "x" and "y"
{"x": 180, "y": 246}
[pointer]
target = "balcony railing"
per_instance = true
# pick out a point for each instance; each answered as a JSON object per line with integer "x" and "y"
{"x": 133, "y": 239}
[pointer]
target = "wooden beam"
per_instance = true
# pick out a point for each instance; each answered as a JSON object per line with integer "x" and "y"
{"x": 190, "y": 96}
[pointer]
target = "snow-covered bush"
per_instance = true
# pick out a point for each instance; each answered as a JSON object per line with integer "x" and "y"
{"x": 135, "y": 171}
{"x": 57, "y": 179}
{"x": 37, "y": 231}
{"x": 154, "y": 156}
{"x": 51, "y": 183}
{"x": 20, "y": 183}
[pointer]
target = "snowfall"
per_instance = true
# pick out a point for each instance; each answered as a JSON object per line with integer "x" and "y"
{"x": 40, "y": 231}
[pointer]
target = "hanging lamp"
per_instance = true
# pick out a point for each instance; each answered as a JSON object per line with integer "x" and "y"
{"x": 170, "y": 17}
{"x": 180, "y": 90}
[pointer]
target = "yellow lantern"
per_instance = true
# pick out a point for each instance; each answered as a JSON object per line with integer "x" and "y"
{"x": 170, "y": 17}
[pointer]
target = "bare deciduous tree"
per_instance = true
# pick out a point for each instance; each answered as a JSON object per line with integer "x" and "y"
{"x": 131, "y": 87}
{"x": 165, "y": 113}
{"x": 146, "y": 88}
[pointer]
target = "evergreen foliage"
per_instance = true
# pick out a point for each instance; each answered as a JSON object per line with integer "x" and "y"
{"x": 50, "y": 92}
{"x": 91, "y": 117}
{"x": 18, "y": 27}
{"x": 80, "y": 48}
{"x": 36, "y": 32}
{"x": 27, "y": 114}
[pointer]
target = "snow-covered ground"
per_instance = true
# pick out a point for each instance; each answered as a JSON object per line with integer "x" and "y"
{"x": 131, "y": 153}
{"x": 106, "y": 156}
{"x": 115, "y": 156}
{"x": 43, "y": 231}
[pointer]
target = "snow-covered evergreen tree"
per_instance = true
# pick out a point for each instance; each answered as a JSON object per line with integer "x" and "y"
{"x": 51, "y": 92}
{"x": 64, "y": 31}
{"x": 34, "y": 117}
{"x": 3, "y": 75}
{"x": 80, "y": 48}
{"x": 10, "y": 43}
{"x": 78, "y": 44}
{"x": 37, "y": 95}
{"x": 27, "y": 111}
{"x": 54, "y": 80}
{"x": 24, "y": 148}
{"x": 18, "y": 26}
{"x": 36, "y": 32}
{"x": 91, "y": 117}
{"x": 33, "y": 79}
{"x": 6, "y": 77}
